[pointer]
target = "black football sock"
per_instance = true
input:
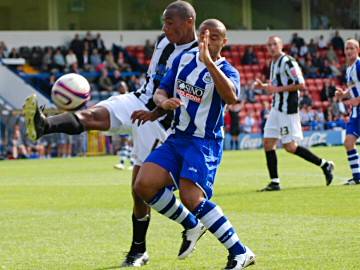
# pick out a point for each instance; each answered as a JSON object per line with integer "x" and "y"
{"x": 307, "y": 155}
{"x": 63, "y": 123}
{"x": 271, "y": 162}
{"x": 140, "y": 227}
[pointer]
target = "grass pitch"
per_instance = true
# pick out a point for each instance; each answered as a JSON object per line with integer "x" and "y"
{"x": 76, "y": 214}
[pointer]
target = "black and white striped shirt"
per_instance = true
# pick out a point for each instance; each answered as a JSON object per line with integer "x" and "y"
{"x": 286, "y": 71}
{"x": 161, "y": 61}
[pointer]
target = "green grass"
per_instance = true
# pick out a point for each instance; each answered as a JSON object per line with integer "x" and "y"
{"x": 76, "y": 214}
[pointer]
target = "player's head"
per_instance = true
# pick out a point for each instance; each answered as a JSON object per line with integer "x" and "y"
{"x": 217, "y": 35}
{"x": 351, "y": 50}
{"x": 274, "y": 45}
{"x": 179, "y": 22}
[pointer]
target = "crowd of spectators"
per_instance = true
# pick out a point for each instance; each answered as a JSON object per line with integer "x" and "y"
{"x": 323, "y": 66}
{"x": 107, "y": 69}
{"x": 119, "y": 70}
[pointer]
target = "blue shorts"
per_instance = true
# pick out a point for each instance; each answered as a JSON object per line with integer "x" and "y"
{"x": 191, "y": 158}
{"x": 353, "y": 127}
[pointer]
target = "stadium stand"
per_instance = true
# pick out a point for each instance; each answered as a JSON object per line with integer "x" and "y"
{"x": 323, "y": 69}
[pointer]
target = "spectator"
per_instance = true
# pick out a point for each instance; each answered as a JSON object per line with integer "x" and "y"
{"x": 88, "y": 41}
{"x": 249, "y": 123}
{"x": 310, "y": 71}
{"x": 122, "y": 88}
{"x": 98, "y": 44}
{"x": 319, "y": 120}
{"x": 95, "y": 58}
{"x": 249, "y": 93}
{"x": 120, "y": 61}
{"x": 337, "y": 42}
{"x": 74, "y": 68}
{"x": 328, "y": 91}
{"x": 305, "y": 99}
{"x": 249, "y": 57}
{"x": 334, "y": 69}
{"x": 312, "y": 47}
{"x": 318, "y": 61}
{"x": 294, "y": 51}
{"x": 77, "y": 46}
{"x": 109, "y": 61}
{"x": 331, "y": 54}
{"x": 59, "y": 60}
{"x": 326, "y": 71}
{"x": 304, "y": 50}
{"x": 14, "y": 53}
{"x": 322, "y": 43}
{"x": 3, "y": 49}
{"x": 36, "y": 57}
{"x": 297, "y": 41}
{"x": 134, "y": 83}
{"x": 47, "y": 62}
{"x": 65, "y": 145}
{"x": 85, "y": 60}
{"x": 70, "y": 58}
{"x": 105, "y": 83}
{"x": 18, "y": 146}
{"x": 306, "y": 117}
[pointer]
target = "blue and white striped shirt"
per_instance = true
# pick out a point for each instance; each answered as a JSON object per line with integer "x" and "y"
{"x": 202, "y": 114}
{"x": 353, "y": 83}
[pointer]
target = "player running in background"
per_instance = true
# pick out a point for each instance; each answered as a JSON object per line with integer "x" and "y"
{"x": 198, "y": 86}
{"x": 114, "y": 114}
{"x": 286, "y": 80}
{"x": 353, "y": 93}
{"x": 124, "y": 153}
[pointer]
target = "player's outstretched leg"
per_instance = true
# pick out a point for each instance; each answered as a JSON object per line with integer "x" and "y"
{"x": 35, "y": 119}
{"x": 326, "y": 166}
{"x": 37, "y": 125}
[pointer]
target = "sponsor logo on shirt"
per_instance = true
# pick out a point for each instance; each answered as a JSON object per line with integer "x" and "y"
{"x": 207, "y": 78}
{"x": 189, "y": 91}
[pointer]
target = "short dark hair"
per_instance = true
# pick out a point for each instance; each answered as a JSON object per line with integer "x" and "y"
{"x": 184, "y": 9}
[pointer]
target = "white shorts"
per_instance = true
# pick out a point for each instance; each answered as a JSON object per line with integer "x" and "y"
{"x": 145, "y": 137}
{"x": 286, "y": 127}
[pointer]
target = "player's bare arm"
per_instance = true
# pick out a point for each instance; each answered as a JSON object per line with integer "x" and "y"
{"x": 162, "y": 100}
{"x": 224, "y": 86}
{"x": 271, "y": 89}
{"x": 143, "y": 116}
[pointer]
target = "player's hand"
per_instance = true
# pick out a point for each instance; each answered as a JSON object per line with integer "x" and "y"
{"x": 339, "y": 93}
{"x": 171, "y": 104}
{"x": 142, "y": 117}
{"x": 204, "y": 48}
{"x": 259, "y": 85}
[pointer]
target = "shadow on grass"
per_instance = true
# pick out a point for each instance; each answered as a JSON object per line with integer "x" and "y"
{"x": 283, "y": 190}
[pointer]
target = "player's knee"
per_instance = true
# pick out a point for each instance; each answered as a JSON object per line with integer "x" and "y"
{"x": 140, "y": 188}
{"x": 290, "y": 148}
{"x": 268, "y": 145}
{"x": 349, "y": 145}
{"x": 94, "y": 118}
{"x": 190, "y": 200}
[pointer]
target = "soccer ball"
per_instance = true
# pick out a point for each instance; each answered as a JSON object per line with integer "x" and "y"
{"x": 70, "y": 92}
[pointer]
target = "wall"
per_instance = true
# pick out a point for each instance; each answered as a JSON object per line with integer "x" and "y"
{"x": 56, "y": 38}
